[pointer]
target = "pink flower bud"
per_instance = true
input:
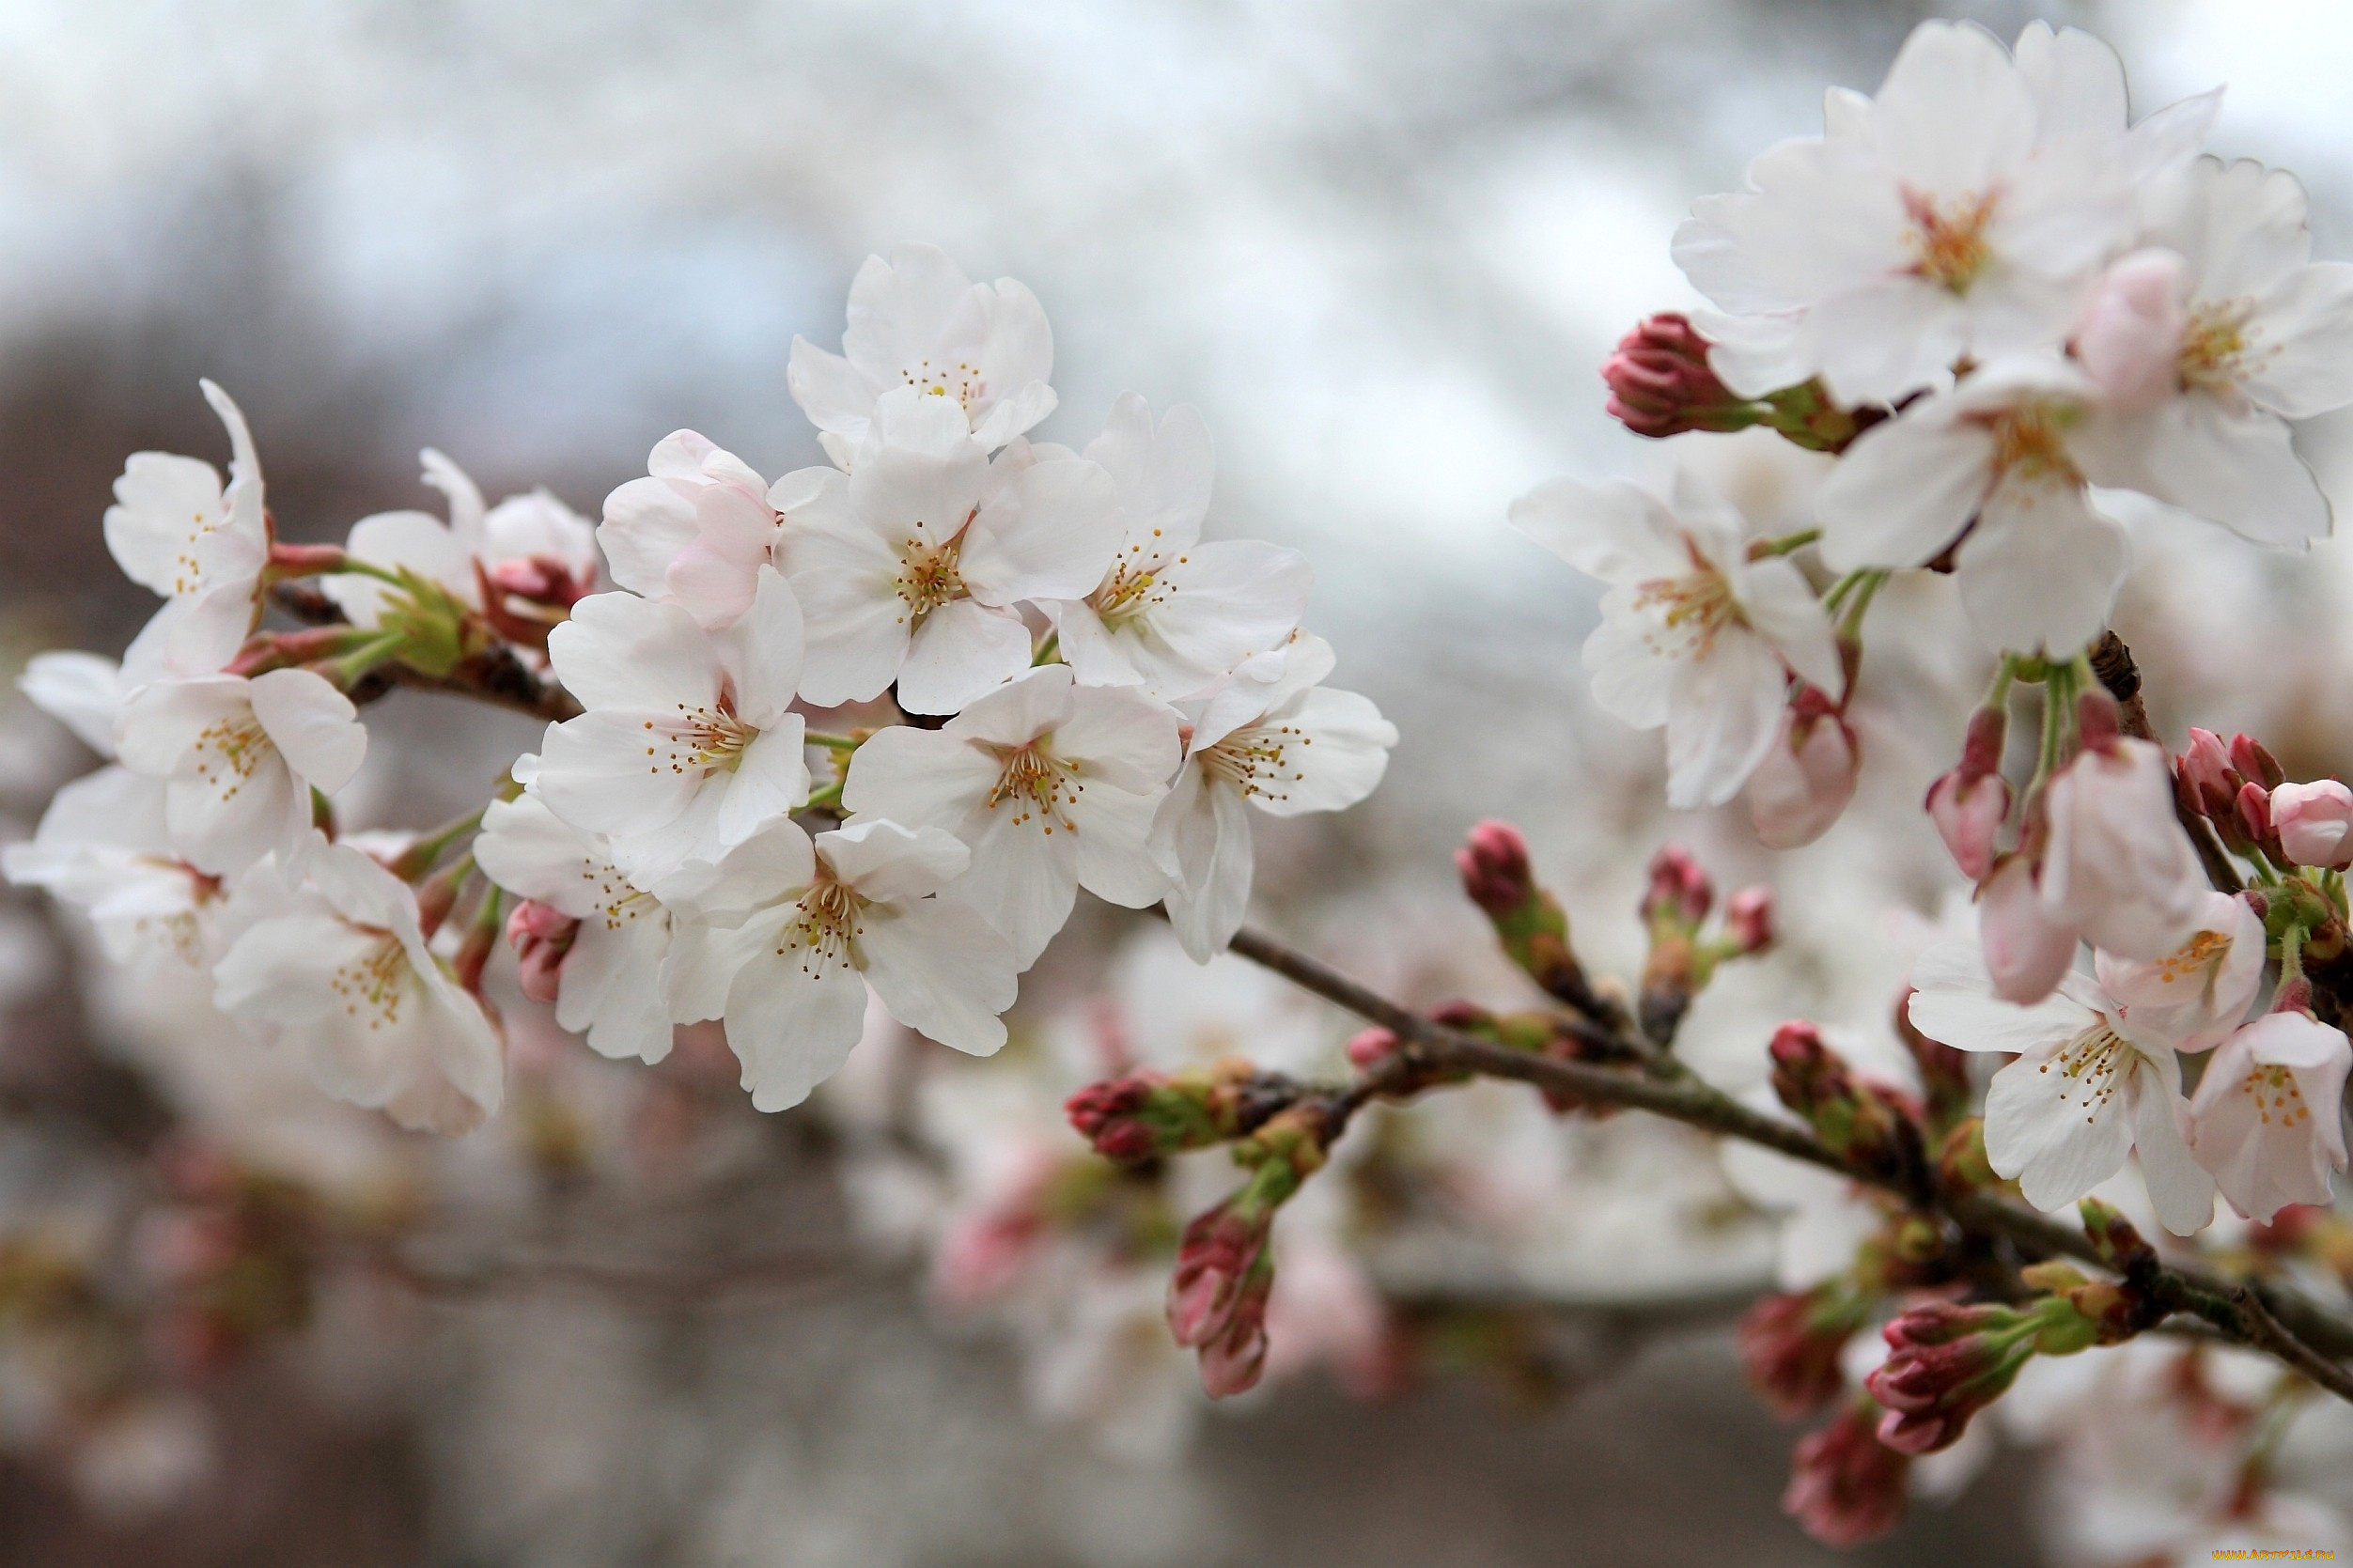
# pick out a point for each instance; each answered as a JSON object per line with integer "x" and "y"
{"x": 1945, "y": 1363}
{"x": 2315, "y": 822}
{"x": 1368, "y": 1048}
{"x": 2130, "y": 337}
{"x": 1679, "y": 890}
{"x": 1790, "y": 1346}
{"x": 1969, "y": 814}
{"x": 1749, "y": 920}
{"x": 1232, "y": 1362}
{"x": 541, "y": 936}
{"x": 1660, "y": 385}
{"x": 1113, "y": 1116}
{"x": 1846, "y": 1486}
{"x": 2026, "y": 950}
{"x": 2254, "y": 810}
{"x": 1495, "y": 870}
{"x": 2253, "y": 762}
{"x": 2205, "y": 769}
{"x": 1806, "y": 780}
{"x": 1220, "y": 1249}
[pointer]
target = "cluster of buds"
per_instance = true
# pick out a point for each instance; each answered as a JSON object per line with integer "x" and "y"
{"x": 1846, "y": 1486}
{"x": 1146, "y": 1116}
{"x": 1217, "y": 1298}
{"x": 1681, "y": 962}
{"x": 1660, "y": 385}
{"x": 1873, "y": 1127}
{"x": 1528, "y": 922}
{"x": 1946, "y": 1361}
{"x": 2242, "y": 790}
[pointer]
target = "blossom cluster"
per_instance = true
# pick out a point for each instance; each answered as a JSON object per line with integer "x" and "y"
{"x": 1054, "y": 682}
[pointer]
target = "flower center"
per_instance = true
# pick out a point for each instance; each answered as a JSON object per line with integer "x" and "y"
{"x": 619, "y": 901}
{"x": 2276, "y": 1096}
{"x": 962, "y": 380}
{"x": 1134, "y": 586}
{"x": 2215, "y": 346}
{"x": 2200, "y": 955}
{"x": 824, "y": 928}
{"x": 1948, "y": 242}
{"x": 1258, "y": 760}
{"x": 374, "y": 985}
{"x": 2092, "y": 1066}
{"x": 928, "y": 574}
{"x": 704, "y": 739}
{"x": 231, "y": 750}
{"x": 2030, "y": 443}
{"x": 1691, "y": 609}
{"x": 1038, "y": 785}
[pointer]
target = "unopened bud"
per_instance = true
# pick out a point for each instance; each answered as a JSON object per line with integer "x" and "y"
{"x": 1970, "y": 803}
{"x": 1530, "y": 923}
{"x": 1945, "y": 1363}
{"x": 2254, "y": 810}
{"x": 1807, "y": 778}
{"x": 1791, "y": 1345}
{"x": 2315, "y": 822}
{"x": 541, "y": 936}
{"x": 1748, "y": 921}
{"x": 2100, "y": 723}
{"x": 1679, "y": 890}
{"x": 2208, "y": 782}
{"x": 1369, "y": 1048}
{"x": 1846, "y": 1486}
{"x": 1865, "y": 1124}
{"x": 1495, "y": 871}
{"x": 2255, "y": 763}
{"x": 1660, "y": 384}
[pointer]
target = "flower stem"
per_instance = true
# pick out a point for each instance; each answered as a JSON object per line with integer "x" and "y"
{"x": 1788, "y": 544}
{"x": 830, "y": 741}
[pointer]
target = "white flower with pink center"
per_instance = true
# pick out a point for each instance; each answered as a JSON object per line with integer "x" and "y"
{"x": 2268, "y": 1117}
{"x": 695, "y": 530}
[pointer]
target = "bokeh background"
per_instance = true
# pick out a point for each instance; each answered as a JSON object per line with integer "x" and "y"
{"x": 1382, "y": 245}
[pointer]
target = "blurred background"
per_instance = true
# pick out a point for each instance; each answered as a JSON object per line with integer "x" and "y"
{"x": 1383, "y": 247}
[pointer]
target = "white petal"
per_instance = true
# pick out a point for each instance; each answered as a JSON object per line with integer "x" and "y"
{"x": 941, "y": 969}
{"x": 2304, "y": 339}
{"x": 1616, "y": 532}
{"x": 1335, "y": 747}
{"x": 1123, "y": 739}
{"x": 763, "y": 651}
{"x": 314, "y": 726}
{"x": 885, "y": 861}
{"x": 792, "y": 1030}
{"x": 1049, "y": 534}
{"x": 1021, "y": 710}
{"x": 2179, "y": 1188}
{"x": 2041, "y": 568}
{"x": 1954, "y": 1004}
{"x": 1903, "y": 491}
{"x": 919, "y": 778}
{"x": 963, "y": 650}
{"x": 1208, "y": 828}
{"x": 81, "y": 691}
{"x": 647, "y": 523}
{"x": 621, "y": 652}
{"x": 1721, "y": 720}
{"x": 1782, "y": 607}
{"x": 1023, "y": 881}
{"x": 2057, "y": 1147}
{"x": 2236, "y": 467}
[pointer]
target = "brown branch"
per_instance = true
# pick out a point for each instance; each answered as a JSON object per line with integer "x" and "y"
{"x": 2297, "y": 1331}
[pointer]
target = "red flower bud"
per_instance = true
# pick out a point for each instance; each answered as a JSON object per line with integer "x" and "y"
{"x": 1945, "y": 1363}
{"x": 2206, "y": 775}
{"x": 1679, "y": 890}
{"x": 1495, "y": 870}
{"x": 1791, "y": 1345}
{"x": 1368, "y": 1048}
{"x": 2254, "y": 810}
{"x": 1846, "y": 1486}
{"x": 1749, "y": 920}
{"x": 1660, "y": 385}
{"x": 1219, "y": 1250}
{"x": 2253, "y": 762}
{"x": 541, "y": 936}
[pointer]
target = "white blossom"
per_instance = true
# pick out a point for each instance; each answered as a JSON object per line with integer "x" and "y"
{"x": 102, "y": 847}
{"x": 1996, "y": 456}
{"x": 2086, "y": 1087}
{"x": 175, "y": 529}
{"x": 695, "y": 530}
{"x": 910, "y": 566}
{"x": 612, "y": 987}
{"x": 477, "y": 545}
{"x": 1694, "y": 635}
{"x": 1961, "y": 213}
{"x": 689, "y": 744}
{"x": 344, "y": 975}
{"x": 819, "y": 922}
{"x": 2209, "y": 341}
{"x": 239, "y": 758}
{"x": 1287, "y": 746}
{"x": 1051, "y": 785}
{"x": 2268, "y": 1117}
{"x": 1173, "y": 613}
{"x": 917, "y": 321}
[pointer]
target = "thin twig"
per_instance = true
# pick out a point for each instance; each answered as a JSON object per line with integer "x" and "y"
{"x": 1430, "y": 1052}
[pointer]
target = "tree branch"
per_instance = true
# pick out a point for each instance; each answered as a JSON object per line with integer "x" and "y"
{"x": 2298, "y": 1331}
{"x": 492, "y": 675}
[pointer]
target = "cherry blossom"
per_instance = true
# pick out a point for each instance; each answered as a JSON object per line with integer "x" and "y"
{"x": 917, "y": 321}
{"x": 2196, "y": 995}
{"x": 345, "y": 976}
{"x": 176, "y": 529}
{"x": 612, "y": 984}
{"x": 695, "y": 530}
{"x": 1960, "y": 214}
{"x": 1053, "y": 785}
{"x": 2039, "y": 568}
{"x": 1286, "y": 746}
{"x": 819, "y": 922}
{"x": 2315, "y": 822}
{"x": 104, "y": 846}
{"x": 2268, "y": 1117}
{"x": 2087, "y": 1089}
{"x": 910, "y": 566}
{"x": 2207, "y": 342}
{"x": 239, "y": 758}
{"x": 689, "y": 744}
{"x": 1172, "y": 615}
{"x": 1694, "y": 635}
